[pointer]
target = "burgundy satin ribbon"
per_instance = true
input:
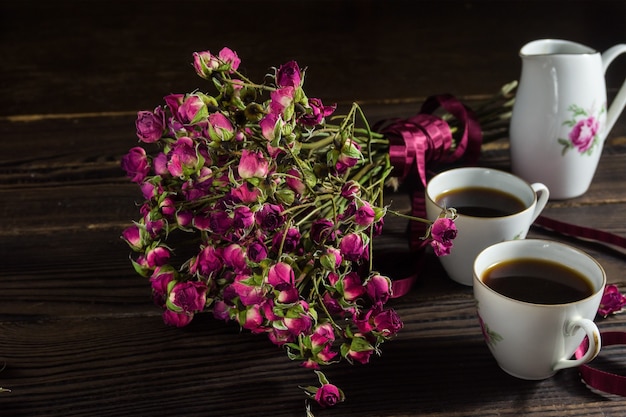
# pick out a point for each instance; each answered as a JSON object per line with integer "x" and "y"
{"x": 424, "y": 138}
{"x": 420, "y": 141}
{"x": 601, "y": 380}
{"x": 580, "y": 231}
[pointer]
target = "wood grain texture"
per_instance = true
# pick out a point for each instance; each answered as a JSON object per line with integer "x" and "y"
{"x": 78, "y": 331}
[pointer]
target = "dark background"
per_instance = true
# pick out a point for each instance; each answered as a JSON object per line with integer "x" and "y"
{"x": 367, "y": 50}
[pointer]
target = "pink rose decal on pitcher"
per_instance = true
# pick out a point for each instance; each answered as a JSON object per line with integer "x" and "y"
{"x": 583, "y": 136}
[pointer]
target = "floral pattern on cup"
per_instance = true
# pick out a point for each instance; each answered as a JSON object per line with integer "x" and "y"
{"x": 491, "y": 337}
{"x": 583, "y": 136}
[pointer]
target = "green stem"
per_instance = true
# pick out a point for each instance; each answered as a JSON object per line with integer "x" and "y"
{"x": 318, "y": 144}
{"x": 406, "y": 216}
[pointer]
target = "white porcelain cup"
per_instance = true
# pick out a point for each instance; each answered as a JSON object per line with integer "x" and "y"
{"x": 534, "y": 341}
{"x": 476, "y": 233}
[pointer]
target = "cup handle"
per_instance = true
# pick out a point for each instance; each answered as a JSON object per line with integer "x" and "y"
{"x": 593, "y": 334}
{"x": 543, "y": 194}
{"x": 616, "y": 107}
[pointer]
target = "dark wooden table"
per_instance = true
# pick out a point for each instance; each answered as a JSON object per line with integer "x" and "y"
{"x": 79, "y": 335}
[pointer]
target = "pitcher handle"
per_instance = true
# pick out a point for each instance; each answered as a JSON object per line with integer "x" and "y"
{"x": 616, "y": 107}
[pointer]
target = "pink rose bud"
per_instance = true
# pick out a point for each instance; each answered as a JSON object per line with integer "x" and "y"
{"x": 353, "y": 247}
{"x": 298, "y": 325}
{"x": 289, "y": 75}
{"x": 294, "y": 181}
{"x": 154, "y": 227}
{"x": 243, "y": 218}
{"x": 150, "y": 126}
{"x": 252, "y": 320}
{"x": 281, "y": 275}
{"x": 280, "y": 336}
{"x": 388, "y": 323}
{"x": 136, "y": 164}
{"x": 348, "y": 157}
{"x": 267, "y": 307}
{"x": 270, "y": 125}
{"x": 160, "y": 164}
{"x": 326, "y": 354}
{"x": 281, "y": 100}
{"x": 132, "y": 236}
{"x": 148, "y": 190}
{"x": 317, "y": 112}
{"x": 332, "y": 304}
{"x": 188, "y": 296}
{"x": 220, "y": 128}
{"x": 202, "y": 63}
{"x": 183, "y": 158}
{"x": 221, "y": 310}
{"x": 378, "y": 288}
{"x": 160, "y": 279}
{"x": 351, "y": 190}
{"x": 192, "y": 110}
{"x": 206, "y": 63}
{"x": 235, "y": 258}
{"x": 157, "y": 256}
{"x": 270, "y": 217}
{"x": 612, "y": 301}
{"x": 248, "y": 294}
{"x": 252, "y": 165}
{"x": 322, "y": 335}
{"x": 220, "y": 222}
{"x": 173, "y": 102}
{"x": 352, "y": 286}
{"x": 331, "y": 259}
{"x": 168, "y": 207}
{"x": 288, "y": 243}
{"x": 209, "y": 261}
{"x": 230, "y": 58}
{"x": 257, "y": 252}
{"x": 364, "y": 215}
{"x": 333, "y": 278}
{"x": 287, "y": 295}
{"x": 323, "y": 230}
{"x": 245, "y": 193}
{"x": 364, "y": 322}
{"x": 184, "y": 218}
{"x": 172, "y": 318}
{"x": 328, "y": 395}
{"x": 443, "y": 231}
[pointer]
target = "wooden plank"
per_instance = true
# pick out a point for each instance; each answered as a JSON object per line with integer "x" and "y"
{"x": 135, "y": 365}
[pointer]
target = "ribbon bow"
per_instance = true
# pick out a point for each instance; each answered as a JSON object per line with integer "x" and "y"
{"x": 420, "y": 142}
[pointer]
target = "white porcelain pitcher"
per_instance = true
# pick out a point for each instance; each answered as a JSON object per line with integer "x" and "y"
{"x": 560, "y": 117}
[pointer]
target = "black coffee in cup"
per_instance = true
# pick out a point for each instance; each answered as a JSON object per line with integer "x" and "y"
{"x": 481, "y": 202}
{"x": 537, "y": 281}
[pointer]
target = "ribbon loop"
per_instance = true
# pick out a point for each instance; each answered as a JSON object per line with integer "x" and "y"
{"x": 598, "y": 379}
{"x": 425, "y": 139}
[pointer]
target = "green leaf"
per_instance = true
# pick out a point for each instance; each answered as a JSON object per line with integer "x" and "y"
{"x": 144, "y": 272}
{"x": 359, "y": 344}
{"x": 322, "y": 378}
